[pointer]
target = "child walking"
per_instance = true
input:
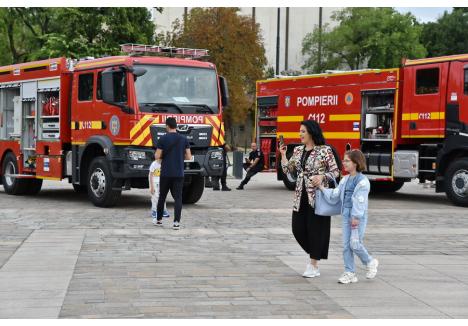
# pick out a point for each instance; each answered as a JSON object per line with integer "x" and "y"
{"x": 353, "y": 191}
{"x": 154, "y": 175}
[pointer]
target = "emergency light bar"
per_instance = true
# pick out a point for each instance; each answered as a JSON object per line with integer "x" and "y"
{"x": 163, "y": 50}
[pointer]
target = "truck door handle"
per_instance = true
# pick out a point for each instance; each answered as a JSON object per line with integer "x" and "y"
{"x": 412, "y": 125}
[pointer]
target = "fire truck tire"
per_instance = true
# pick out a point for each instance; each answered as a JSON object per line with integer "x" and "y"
{"x": 456, "y": 182}
{"x": 386, "y": 186}
{"x": 12, "y": 186}
{"x": 193, "y": 191}
{"x": 99, "y": 184}
{"x": 34, "y": 186}
{"x": 80, "y": 189}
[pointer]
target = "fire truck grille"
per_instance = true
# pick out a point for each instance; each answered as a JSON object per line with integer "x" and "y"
{"x": 197, "y": 135}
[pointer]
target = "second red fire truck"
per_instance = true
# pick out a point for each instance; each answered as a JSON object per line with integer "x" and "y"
{"x": 96, "y": 122}
{"x": 410, "y": 122}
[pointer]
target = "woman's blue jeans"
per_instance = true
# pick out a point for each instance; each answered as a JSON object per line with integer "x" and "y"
{"x": 360, "y": 251}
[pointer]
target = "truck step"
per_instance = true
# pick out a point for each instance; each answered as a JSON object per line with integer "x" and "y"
{"x": 21, "y": 176}
{"x": 428, "y": 158}
{"x": 427, "y": 171}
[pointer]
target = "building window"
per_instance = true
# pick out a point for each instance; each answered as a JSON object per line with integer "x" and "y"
{"x": 427, "y": 81}
{"x": 85, "y": 87}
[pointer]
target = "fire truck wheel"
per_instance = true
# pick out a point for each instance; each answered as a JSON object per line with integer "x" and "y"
{"x": 386, "y": 186}
{"x": 12, "y": 185}
{"x": 193, "y": 191}
{"x": 100, "y": 182}
{"x": 80, "y": 189}
{"x": 456, "y": 182}
{"x": 34, "y": 186}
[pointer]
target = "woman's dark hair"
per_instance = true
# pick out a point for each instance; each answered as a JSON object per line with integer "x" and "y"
{"x": 315, "y": 131}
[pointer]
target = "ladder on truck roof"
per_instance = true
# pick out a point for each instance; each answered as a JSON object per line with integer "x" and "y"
{"x": 326, "y": 73}
{"x": 164, "y": 50}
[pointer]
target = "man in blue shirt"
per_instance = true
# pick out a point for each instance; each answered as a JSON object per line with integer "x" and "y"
{"x": 172, "y": 148}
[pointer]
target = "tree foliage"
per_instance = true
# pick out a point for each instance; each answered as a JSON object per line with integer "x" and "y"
{"x": 235, "y": 47}
{"x": 448, "y": 34}
{"x": 364, "y": 37}
{"x": 39, "y": 33}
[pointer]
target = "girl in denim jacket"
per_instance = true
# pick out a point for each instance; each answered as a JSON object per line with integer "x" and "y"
{"x": 353, "y": 191}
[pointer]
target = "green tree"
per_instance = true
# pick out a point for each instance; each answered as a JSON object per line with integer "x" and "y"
{"x": 97, "y": 31}
{"x": 235, "y": 47}
{"x": 39, "y": 33}
{"x": 18, "y": 39}
{"x": 364, "y": 37}
{"x": 447, "y": 35}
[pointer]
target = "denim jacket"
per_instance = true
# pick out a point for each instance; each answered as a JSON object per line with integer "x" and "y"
{"x": 360, "y": 195}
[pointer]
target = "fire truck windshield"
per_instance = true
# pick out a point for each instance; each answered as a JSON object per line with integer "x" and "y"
{"x": 177, "y": 89}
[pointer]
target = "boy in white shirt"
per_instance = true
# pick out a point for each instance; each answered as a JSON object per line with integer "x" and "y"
{"x": 154, "y": 174}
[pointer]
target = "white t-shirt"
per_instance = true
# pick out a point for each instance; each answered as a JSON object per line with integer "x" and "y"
{"x": 155, "y": 170}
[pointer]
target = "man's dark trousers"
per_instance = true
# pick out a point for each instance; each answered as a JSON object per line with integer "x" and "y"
{"x": 175, "y": 184}
{"x": 250, "y": 174}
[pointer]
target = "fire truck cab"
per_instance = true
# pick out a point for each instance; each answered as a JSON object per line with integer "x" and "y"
{"x": 96, "y": 122}
{"x": 410, "y": 122}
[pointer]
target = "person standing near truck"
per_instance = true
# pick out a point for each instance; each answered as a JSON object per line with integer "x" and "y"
{"x": 216, "y": 180}
{"x": 153, "y": 178}
{"x": 172, "y": 148}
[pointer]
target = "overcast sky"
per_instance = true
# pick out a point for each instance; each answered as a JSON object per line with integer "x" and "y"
{"x": 425, "y": 14}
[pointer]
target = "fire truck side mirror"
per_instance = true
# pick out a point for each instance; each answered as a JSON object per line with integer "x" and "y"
{"x": 138, "y": 71}
{"x": 114, "y": 89}
{"x": 224, "y": 91}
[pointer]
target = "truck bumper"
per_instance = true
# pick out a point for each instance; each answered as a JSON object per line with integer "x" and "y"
{"x": 203, "y": 163}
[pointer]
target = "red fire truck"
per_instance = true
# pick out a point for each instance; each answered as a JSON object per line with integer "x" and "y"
{"x": 96, "y": 122}
{"x": 410, "y": 122}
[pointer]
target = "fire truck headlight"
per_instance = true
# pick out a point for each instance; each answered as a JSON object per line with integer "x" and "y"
{"x": 136, "y": 155}
{"x": 217, "y": 155}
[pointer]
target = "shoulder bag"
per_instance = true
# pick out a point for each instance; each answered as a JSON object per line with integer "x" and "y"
{"x": 323, "y": 207}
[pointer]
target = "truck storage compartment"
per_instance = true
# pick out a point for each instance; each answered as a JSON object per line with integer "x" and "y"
{"x": 378, "y": 108}
{"x": 49, "y": 166}
{"x": 406, "y": 164}
{"x": 378, "y": 163}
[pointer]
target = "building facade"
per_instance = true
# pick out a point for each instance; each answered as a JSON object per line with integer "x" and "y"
{"x": 283, "y": 50}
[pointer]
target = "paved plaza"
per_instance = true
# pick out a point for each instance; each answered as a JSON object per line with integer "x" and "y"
{"x": 235, "y": 257}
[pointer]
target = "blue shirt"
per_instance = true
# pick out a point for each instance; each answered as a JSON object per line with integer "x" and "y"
{"x": 173, "y": 148}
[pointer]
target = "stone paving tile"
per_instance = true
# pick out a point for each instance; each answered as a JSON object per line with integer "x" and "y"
{"x": 167, "y": 281}
{"x": 45, "y": 261}
{"x": 239, "y": 260}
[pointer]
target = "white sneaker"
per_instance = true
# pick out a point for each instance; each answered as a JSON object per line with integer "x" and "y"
{"x": 372, "y": 268}
{"x": 176, "y": 226}
{"x": 348, "y": 277}
{"x": 311, "y": 271}
{"x": 156, "y": 222}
